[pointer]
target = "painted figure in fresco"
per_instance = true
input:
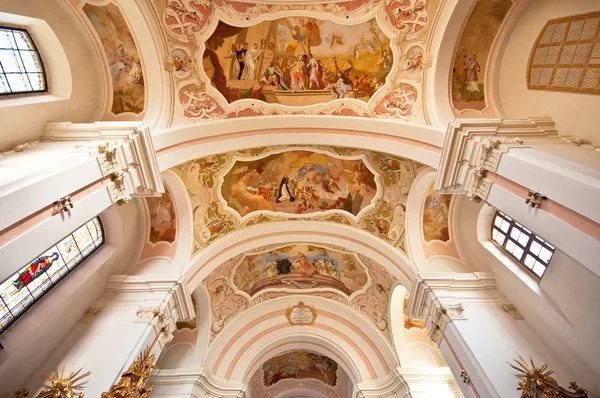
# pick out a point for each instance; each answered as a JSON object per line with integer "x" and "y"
{"x": 299, "y": 75}
{"x": 316, "y": 74}
{"x": 34, "y": 270}
{"x": 242, "y": 191}
{"x": 120, "y": 62}
{"x": 471, "y": 77}
{"x": 284, "y": 194}
{"x": 273, "y": 77}
{"x": 250, "y": 59}
{"x": 384, "y": 65}
{"x": 240, "y": 53}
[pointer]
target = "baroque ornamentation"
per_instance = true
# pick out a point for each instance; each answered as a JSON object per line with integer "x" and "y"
{"x": 228, "y": 301}
{"x": 491, "y": 149}
{"x": 63, "y": 385}
{"x": 537, "y": 382}
{"x": 394, "y": 27}
{"x": 213, "y": 218}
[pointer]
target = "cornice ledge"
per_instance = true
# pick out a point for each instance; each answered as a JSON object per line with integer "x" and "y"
{"x": 474, "y": 146}
{"x": 207, "y": 383}
{"x": 393, "y": 383}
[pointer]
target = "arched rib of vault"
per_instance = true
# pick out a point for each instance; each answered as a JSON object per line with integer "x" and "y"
{"x": 341, "y": 330}
{"x": 300, "y": 392}
{"x": 284, "y": 232}
{"x": 302, "y": 342}
{"x": 417, "y": 142}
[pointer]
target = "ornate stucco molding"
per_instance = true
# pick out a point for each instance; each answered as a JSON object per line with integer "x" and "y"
{"x": 438, "y": 298}
{"x": 124, "y": 152}
{"x": 161, "y": 301}
{"x": 475, "y": 146}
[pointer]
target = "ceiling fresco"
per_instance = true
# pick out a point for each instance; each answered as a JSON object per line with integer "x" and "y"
{"x": 163, "y": 226}
{"x": 299, "y": 182}
{"x": 122, "y": 56}
{"x": 435, "y": 216}
{"x": 298, "y": 61}
{"x": 300, "y": 369}
{"x": 290, "y": 266}
{"x": 354, "y": 187}
{"x": 472, "y": 53}
{"x": 361, "y": 58}
{"x": 300, "y": 365}
{"x": 275, "y": 271}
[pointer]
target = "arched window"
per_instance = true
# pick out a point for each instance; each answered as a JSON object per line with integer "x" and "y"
{"x": 531, "y": 251}
{"x": 566, "y": 56}
{"x": 21, "y": 68}
{"x": 19, "y": 292}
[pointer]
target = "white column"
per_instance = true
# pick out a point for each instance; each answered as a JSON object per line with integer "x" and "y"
{"x": 111, "y": 334}
{"x": 95, "y": 164}
{"x": 505, "y": 162}
{"x": 478, "y": 332}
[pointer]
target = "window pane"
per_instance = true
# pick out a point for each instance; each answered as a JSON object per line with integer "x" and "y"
{"x": 6, "y": 39}
{"x": 539, "y": 269}
{"x": 30, "y": 61}
{"x": 11, "y": 62}
{"x": 510, "y": 245}
{"x": 515, "y": 234}
{"x": 499, "y": 237}
{"x": 84, "y": 240}
{"x": 4, "y": 88}
{"x": 5, "y": 316}
{"x": 518, "y": 252}
{"x": 524, "y": 239}
{"x": 15, "y": 293}
{"x": 535, "y": 248}
{"x": 21, "y": 290}
{"x": 22, "y": 41}
{"x": 505, "y": 225}
{"x": 18, "y": 82}
{"x": 69, "y": 251}
{"x": 36, "y": 80}
{"x": 529, "y": 261}
{"x": 545, "y": 255}
{"x": 497, "y": 221}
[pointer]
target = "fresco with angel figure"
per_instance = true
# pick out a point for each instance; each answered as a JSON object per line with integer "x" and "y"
{"x": 299, "y": 182}
{"x": 300, "y": 267}
{"x": 298, "y": 61}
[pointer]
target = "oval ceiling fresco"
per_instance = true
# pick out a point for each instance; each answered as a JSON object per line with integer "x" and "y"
{"x": 356, "y": 187}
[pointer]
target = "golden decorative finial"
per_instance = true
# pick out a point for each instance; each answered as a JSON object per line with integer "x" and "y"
{"x": 536, "y": 381}
{"x": 65, "y": 385}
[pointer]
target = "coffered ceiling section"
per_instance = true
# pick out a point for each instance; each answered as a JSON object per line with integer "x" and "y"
{"x": 352, "y": 58}
{"x": 355, "y": 187}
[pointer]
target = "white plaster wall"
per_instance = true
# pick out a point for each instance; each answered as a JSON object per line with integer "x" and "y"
{"x": 39, "y": 333}
{"x": 574, "y": 113}
{"x": 25, "y": 122}
{"x": 561, "y": 310}
{"x": 493, "y": 337}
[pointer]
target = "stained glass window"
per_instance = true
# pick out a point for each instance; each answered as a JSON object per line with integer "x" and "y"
{"x": 21, "y": 68}
{"x": 566, "y": 56}
{"x": 30, "y": 283}
{"x": 531, "y": 251}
